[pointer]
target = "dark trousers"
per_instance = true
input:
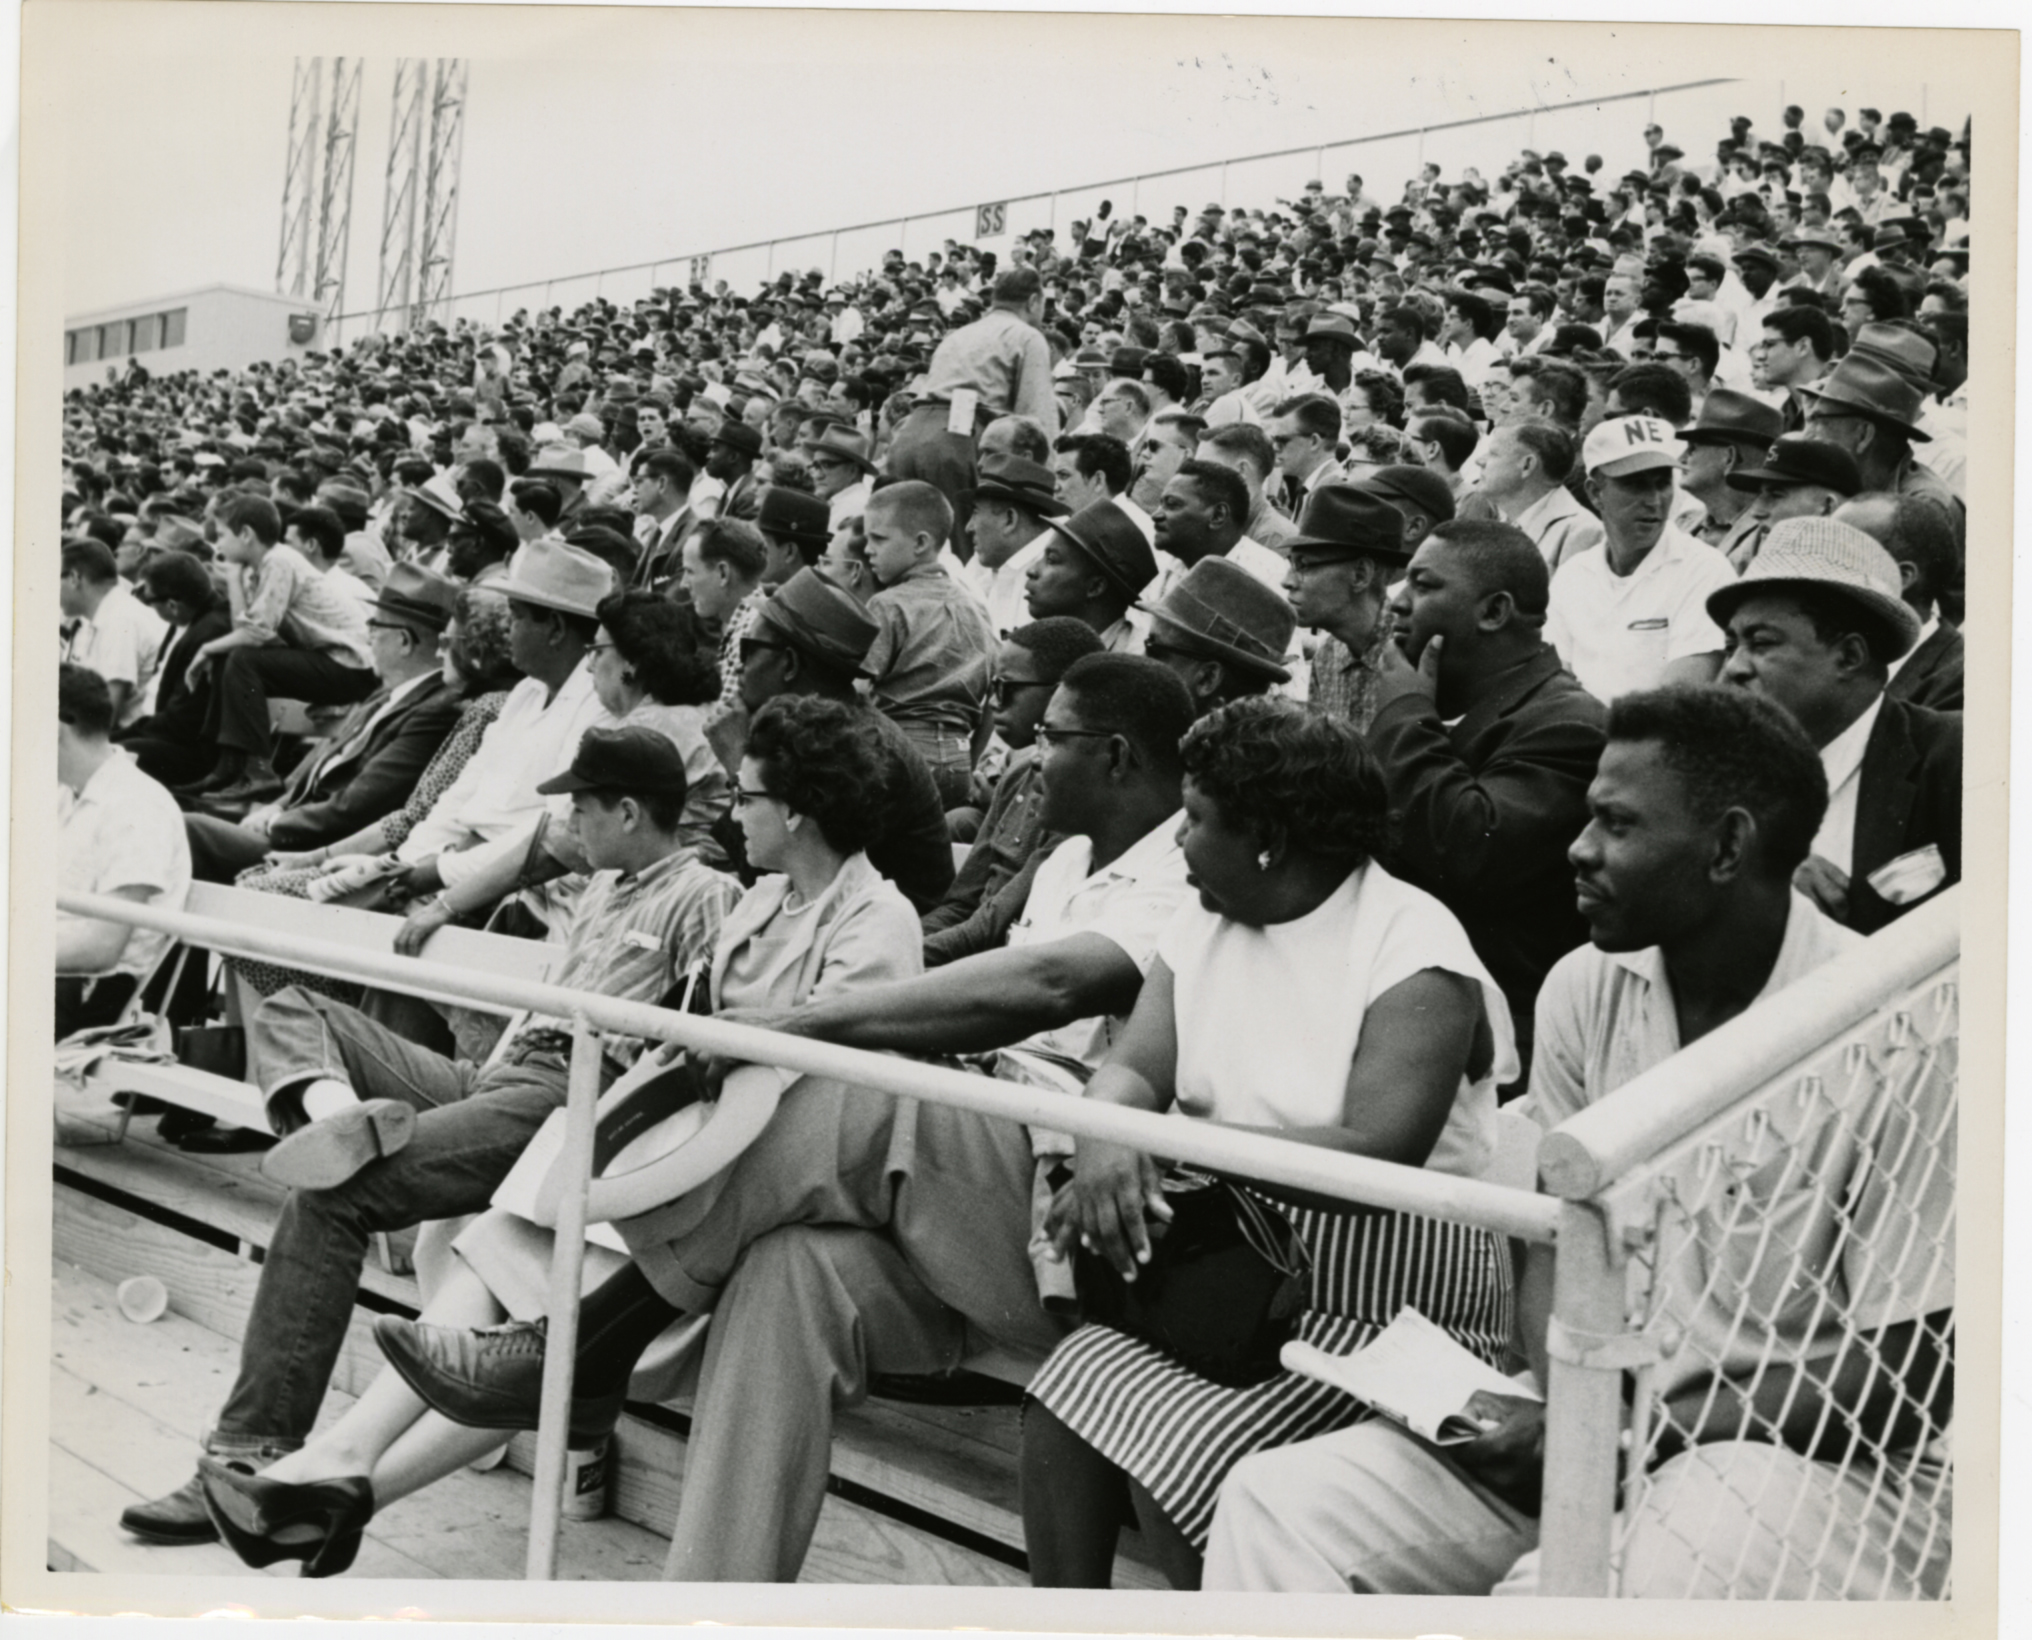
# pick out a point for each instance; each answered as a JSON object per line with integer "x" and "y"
{"x": 471, "y": 1126}
{"x": 923, "y": 449}
{"x": 87, "y": 1000}
{"x": 220, "y": 850}
{"x": 248, "y": 677}
{"x": 173, "y": 762}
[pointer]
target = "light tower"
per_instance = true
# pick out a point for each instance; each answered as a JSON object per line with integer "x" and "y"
{"x": 335, "y": 197}
{"x": 299, "y": 176}
{"x": 419, "y": 206}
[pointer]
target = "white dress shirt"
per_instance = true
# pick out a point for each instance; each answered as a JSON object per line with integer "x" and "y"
{"x": 1842, "y": 759}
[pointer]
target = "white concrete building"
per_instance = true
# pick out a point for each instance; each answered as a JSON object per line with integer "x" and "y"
{"x": 218, "y": 327}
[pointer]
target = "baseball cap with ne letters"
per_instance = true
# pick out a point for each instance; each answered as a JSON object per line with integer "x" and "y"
{"x": 1630, "y": 444}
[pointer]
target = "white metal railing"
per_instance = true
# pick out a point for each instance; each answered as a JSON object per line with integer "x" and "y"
{"x": 1596, "y": 1164}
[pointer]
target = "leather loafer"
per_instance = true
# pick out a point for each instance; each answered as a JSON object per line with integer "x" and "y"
{"x": 328, "y": 1153}
{"x": 180, "y": 1518}
{"x": 487, "y": 1377}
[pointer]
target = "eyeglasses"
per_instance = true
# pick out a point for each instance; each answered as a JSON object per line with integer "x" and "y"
{"x": 595, "y": 648}
{"x": 1048, "y": 737}
{"x": 1002, "y": 688}
{"x": 386, "y": 626}
{"x": 743, "y": 797}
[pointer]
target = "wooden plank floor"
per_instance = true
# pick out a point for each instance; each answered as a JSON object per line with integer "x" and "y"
{"x": 940, "y": 1480}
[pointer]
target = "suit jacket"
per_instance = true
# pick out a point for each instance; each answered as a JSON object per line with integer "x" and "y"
{"x": 1485, "y": 811}
{"x": 359, "y": 775}
{"x": 661, "y": 543}
{"x": 180, "y": 711}
{"x": 1932, "y": 674}
{"x": 1909, "y": 799}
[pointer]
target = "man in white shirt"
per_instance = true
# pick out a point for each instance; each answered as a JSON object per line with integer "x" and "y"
{"x": 1469, "y": 336}
{"x": 1014, "y": 500}
{"x": 1524, "y": 471}
{"x": 107, "y": 628}
{"x": 1634, "y": 615}
{"x": 118, "y": 833}
{"x": 1814, "y": 625}
{"x": 552, "y": 591}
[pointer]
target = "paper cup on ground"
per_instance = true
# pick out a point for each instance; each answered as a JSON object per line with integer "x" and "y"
{"x": 142, "y": 1298}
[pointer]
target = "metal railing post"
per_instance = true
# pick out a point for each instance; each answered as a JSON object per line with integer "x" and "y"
{"x": 567, "y": 1262}
{"x": 832, "y": 269}
{"x": 1224, "y": 185}
{"x": 1584, "y": 1406}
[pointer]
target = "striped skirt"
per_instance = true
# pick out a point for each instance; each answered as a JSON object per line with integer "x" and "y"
{"x": 1179, "y": 1434}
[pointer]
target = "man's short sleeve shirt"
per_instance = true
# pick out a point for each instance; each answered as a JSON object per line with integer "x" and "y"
{"x": 1618, "y": 633}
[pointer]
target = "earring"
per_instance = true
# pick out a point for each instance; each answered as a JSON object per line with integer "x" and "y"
{"x": 1263, "y": 861}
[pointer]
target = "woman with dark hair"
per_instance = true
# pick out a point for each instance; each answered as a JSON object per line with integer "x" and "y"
{"x": 1309, "y": 995}
{"x": 649, "y": 672}
{"x": 822, "y": 922}
{"x": 476, "y": 659}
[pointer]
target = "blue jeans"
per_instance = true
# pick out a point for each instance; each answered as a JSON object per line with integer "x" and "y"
{"x": 471, "y": 1126}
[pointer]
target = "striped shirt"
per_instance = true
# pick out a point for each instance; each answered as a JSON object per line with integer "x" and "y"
{"x": 635, "y": 935}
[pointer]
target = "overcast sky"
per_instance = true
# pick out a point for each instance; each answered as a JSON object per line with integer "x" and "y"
{"x": 596, "y": 139}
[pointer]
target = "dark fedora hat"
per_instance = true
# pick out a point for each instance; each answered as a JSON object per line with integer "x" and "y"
{"x": 794, "y": 515}
{"x": 1729, "y": 417}
{"x": 1108, "y": 536}
{"x": 1343, "y": 521}
{"x": 738, "y": 435}
{"x": 1218, "y": 609}
{"x": 415, "y": 597}
{"x": 1018, "y": 479}
{"x": 1868, "y": 387}
{"x": 1798, "y": 459}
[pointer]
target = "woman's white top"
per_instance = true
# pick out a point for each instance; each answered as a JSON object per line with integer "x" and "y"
{"x": 1268, "y": 1018}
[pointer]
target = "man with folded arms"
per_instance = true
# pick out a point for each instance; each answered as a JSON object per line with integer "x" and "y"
{"x": 384, "y": 1135}
{"x": 1486, "y": 744}
{"x": 808, "y": 1300}
{"x": 1814, "y": 625}
{"x": 1634, "y": 615}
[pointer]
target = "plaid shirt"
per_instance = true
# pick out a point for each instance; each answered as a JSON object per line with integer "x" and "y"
{"x": 1344, "y": 683}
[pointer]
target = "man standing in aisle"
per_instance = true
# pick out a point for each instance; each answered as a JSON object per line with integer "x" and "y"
{"x": 997, "y": 366}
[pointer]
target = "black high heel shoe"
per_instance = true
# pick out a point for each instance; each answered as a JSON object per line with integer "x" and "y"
{"x": 319, "y": 1523}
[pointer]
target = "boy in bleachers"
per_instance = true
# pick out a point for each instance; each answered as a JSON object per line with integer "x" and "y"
{"x": 930, "y": 660}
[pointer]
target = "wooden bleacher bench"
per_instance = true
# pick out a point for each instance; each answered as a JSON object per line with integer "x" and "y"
{"x": 238, "y": 1103}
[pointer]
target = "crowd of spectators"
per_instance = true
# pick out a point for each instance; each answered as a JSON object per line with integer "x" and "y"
{"x": 1375, "y": 662}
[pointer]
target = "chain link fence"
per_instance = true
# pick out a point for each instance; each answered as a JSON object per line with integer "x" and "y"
{"x": 1788, "y": 1347}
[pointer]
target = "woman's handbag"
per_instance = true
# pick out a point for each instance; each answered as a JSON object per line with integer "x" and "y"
{"x": 1224, "y": 1287}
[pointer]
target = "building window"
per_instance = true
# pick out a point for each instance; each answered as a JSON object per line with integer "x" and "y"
{"x": 113, "y": 339}
{"x": 147, "y": 333}
{"x": 172, "y": 327}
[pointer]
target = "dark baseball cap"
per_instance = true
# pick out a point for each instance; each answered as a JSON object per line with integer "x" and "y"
{"x": 630, "y": 761}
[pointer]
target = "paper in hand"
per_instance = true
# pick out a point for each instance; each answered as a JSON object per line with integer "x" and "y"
{"x": 1417, "y": 1376}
